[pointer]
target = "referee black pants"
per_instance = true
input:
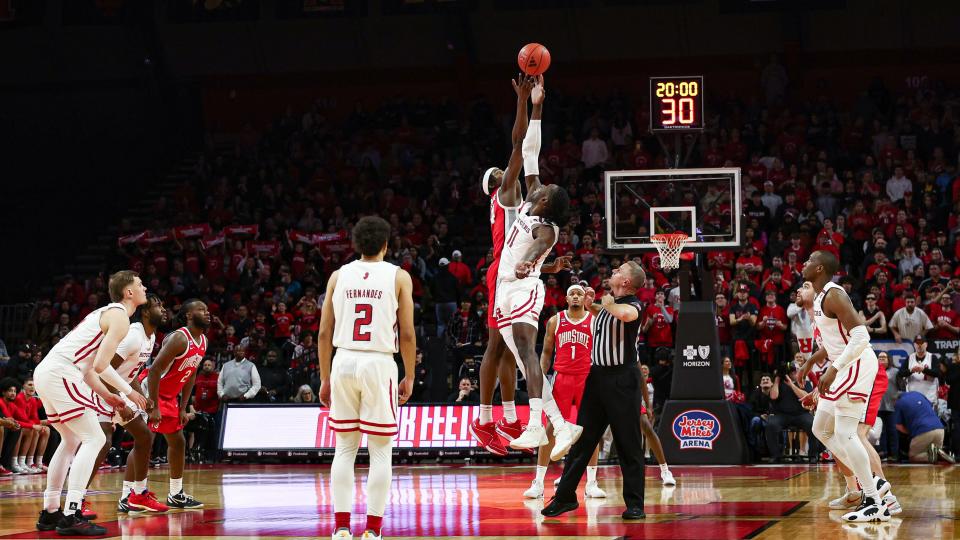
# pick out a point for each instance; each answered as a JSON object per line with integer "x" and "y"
{"x": 611, "y": 397}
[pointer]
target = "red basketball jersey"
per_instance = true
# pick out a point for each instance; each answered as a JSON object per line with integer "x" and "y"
{"x": 183, "y": 366}
{"x": 573, "y": 342}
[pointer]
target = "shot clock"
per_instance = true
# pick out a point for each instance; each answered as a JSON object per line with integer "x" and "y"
{"x": 676, "y": 104}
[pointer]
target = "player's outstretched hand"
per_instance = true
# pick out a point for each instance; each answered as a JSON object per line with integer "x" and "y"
{"x": 827, "y": 379}
{"x": 538, "y": 93}
{"x": 406, "y": 389}
{"x": 138, "y": 399}
{"x": 563, "y": 263}
{"x": 523, "y": 85}
{"x": 324, "y": 396}
{"x": 523, "y": 269}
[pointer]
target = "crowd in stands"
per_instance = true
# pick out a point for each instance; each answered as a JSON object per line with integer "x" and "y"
{"x": 256, "y": 230}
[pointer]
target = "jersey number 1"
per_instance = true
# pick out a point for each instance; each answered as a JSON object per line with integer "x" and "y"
{"x": 364, "y": 317}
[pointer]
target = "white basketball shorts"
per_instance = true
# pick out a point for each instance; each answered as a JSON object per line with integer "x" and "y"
{"x": 519, "y": 301}
{"x": 850, "y": 391}
{"x": 363, "y": 393}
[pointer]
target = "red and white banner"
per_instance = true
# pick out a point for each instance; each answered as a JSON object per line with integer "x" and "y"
{"x": 419, "y": 426}
{"x": 130, "y": 238}
{"x": 157, "y": 237}
{"x": 197, "y": 230}
{"x": 267, "y": 248}
{"x": 300, "y": 236}
{"x": 211, "y": 241}
{"x": 238, "y": 230}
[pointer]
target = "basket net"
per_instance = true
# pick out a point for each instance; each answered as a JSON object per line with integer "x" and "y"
{"x": 669, "y": 245}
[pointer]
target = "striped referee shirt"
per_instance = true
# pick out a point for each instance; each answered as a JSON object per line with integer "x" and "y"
{"x": 614, "y": 341}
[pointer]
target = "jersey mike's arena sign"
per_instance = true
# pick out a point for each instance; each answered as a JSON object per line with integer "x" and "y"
{"x": 696, "y": 429}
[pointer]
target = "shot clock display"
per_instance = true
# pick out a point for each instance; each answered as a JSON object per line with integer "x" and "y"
{"x": 676, "y": 103}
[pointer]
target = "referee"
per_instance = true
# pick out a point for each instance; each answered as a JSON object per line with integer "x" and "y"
{"x": 611, "y": 395}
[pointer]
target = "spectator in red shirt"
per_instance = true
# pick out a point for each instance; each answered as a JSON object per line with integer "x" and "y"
{"x": 723, "y": 325}
{"x": 282, "y": 323}
{"x": 751, "y": 263}
{"x": 828, "y": 239}
{"x": 773, "y": 326}
{"x": 553, "y": 296}
{"x": 460, "y": 270}
{"x": 946, "y": 321}
{"x": 36, "y": 432}
{"x": 563, "y": 245}
{"x": 659, "y": 318}
{"x": 205, "y": 398}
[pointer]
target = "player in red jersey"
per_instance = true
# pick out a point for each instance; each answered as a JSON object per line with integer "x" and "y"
{"x": 171, "y": 375}
{"x": 503, "y": 187}
{"x": 570, "y": 335}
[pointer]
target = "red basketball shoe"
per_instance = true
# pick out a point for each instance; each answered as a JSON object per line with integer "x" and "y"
{"x": 487, "y": 438}
{"x": 512, "y": 430}
{"x": 87, "y": 512}
{"x": 146, "y": 501}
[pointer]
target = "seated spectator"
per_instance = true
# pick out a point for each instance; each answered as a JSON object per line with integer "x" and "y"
{"x": 465, "y": 335}
{"x": 275, "y": 381}
{"x": 761, "y": 407}
{"x": 731, "y": 382}
{"x": 421, "y": 382}
{"x": 914, "y": 416}
{"x": 305, "y": 394}
{"x": 35, "y": 432}
{"x": 788, "y": 412}
{"x": 239, "y": 379}
{"x": 11, "y": 432}
{"x": 466, "y": 393}
{"x": 921, "y": 371}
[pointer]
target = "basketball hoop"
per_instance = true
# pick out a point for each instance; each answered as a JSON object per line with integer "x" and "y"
{"x": 670, "y": 245}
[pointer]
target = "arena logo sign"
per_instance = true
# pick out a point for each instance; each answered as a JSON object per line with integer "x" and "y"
{"x": 696, "y": 429}
{"x": 691, "y": 355}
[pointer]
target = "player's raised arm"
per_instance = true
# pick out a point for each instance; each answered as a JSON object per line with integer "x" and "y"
{"x": 325, "y": 340}
{"x": 546, "y": 356}
{"x": 509, "y": 188}
{"x": 532, "y": 140}
{"x": 838, "y": 306}
{"x": 173, "y": 346}
{"x": 408, "y": 337}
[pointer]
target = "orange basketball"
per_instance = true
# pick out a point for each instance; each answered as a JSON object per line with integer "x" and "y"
{"x": 533, "y": 59}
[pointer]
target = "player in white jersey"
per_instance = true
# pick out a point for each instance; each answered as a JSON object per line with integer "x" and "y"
{"x": 132, "y": 354}
{"x": 368, "y": 316}
{"x": 68, "y": 381}
{"x": 845, "y": 339}
{"x": 824, "y": 421}
{"x": 519, "y": 301}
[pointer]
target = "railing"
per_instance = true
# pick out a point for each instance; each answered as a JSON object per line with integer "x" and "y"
{"x": 13, "y": 322}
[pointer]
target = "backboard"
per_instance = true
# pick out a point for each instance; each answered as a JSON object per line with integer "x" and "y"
{"x": 705, "y": 204}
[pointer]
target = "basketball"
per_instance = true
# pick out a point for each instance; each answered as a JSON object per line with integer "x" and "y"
{"x": 534, "y": 59}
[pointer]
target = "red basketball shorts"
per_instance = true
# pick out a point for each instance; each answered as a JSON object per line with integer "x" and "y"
{"x": 880, "y": 384}
{"x": 492, "y": 295}
{"x": 169, "y": 416}
{"x": 568, "y": 392}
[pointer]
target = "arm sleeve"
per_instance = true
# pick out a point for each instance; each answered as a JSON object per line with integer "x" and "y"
{"x": 859, "y": 340}
{"x": 255, "y": 379}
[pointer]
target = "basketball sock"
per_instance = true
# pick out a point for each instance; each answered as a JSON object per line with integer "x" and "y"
{"x": 664, "y": 468}
{"x": 74, "y": 501}
{"x": 541, "y": 473}
{"x": 127, "y": 487}
{"x": 531, "y": 149}
{"x": 22, "y": 461}
{"x": 553, "y": 414}
{"x": 342, "y": 519}
{"x": 858, "y": 460}
{"x": 341, "y": 471}
{"x": 374, "y": 523}
{"x": 486, "y": 414}
{"x": 591, "y": 474}
{"x": 380, "y": 475}
{"x": 536, "y": 408}
{"x": 30, "y": 461}
{"x": 509, "y": 411}
{"x": 51, "y": 501}
{"x": 852, "y": 483}
{"x": 176, "y": 485}
{"x": 139, "y": 486}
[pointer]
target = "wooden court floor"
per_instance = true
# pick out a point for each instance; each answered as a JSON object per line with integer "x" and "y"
{"x": 447, "y": 501}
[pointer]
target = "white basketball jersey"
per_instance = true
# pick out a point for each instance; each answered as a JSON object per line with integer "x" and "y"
{"x": 365, "y": 307}
{"x": 135, "y": 349}
{"x": 833, "y": 337}
{"x": 80, "y": 346}
{"x": 519, "y": 241}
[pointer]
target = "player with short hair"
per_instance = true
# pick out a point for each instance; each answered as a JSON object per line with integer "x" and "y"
{"x": 170, "y": 382}
{"x": 133, "y": 353}
{"x": 823, "y": 421}
{"x": 368, "y": 316}
{"x": 68, "y": 381}
{"x": 503, "y": 188}
{"x": 846, "y": 341}
{"x": 567, "y": 344}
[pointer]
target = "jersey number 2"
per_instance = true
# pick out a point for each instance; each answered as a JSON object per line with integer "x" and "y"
{"x": 364, "y": 317}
